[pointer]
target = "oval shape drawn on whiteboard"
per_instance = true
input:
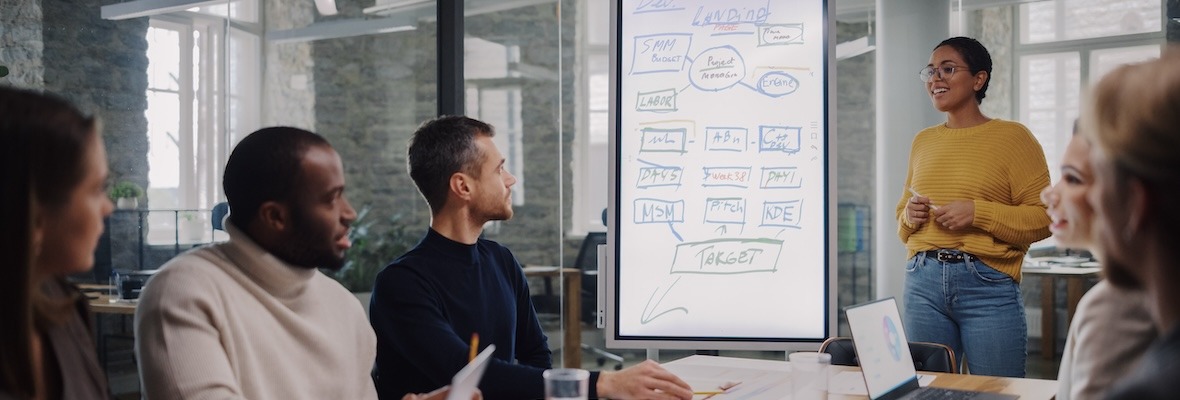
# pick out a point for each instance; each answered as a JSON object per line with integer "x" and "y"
{"x": 777, "y": 84}
{"x": 716, "y": 69}
{"x": 782, "y": 34}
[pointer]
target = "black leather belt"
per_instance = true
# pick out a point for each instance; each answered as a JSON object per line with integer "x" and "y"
{"x": 949, "y": 255}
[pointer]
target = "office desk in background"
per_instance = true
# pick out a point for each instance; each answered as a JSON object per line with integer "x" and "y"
{"x": 571, "y": 289}
{"x": 769, "y": 379}
{"x": 1075, "y": 287}
{"x": 100, "y": 306}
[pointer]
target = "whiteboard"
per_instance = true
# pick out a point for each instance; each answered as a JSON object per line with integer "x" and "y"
{"x": 721, "y": 232}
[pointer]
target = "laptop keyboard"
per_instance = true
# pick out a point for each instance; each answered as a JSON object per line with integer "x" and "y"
{"x": 930, "y": 393}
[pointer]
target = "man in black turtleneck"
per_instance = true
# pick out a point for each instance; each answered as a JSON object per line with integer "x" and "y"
{"x": 427, "y": 304}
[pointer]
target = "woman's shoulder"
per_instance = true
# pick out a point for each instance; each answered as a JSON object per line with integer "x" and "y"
{"x": 1008, "y": 127}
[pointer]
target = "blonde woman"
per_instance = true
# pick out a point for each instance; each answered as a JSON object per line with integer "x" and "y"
{"x": 1133, "y": 121}
{"x": 1112, "y": 327}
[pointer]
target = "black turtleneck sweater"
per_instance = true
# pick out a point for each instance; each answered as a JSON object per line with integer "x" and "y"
{"x": 426, "y": 305}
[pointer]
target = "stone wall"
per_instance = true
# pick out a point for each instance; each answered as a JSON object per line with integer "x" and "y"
{"x": 367, "y": 103}
{"x": 372, "y": 91}
{"x": 993, "y": 27}
{"x": 101, "y": 66}
{"x": 21, "y": 45}
{"x": 288, "y": 83}
{"x": 535, "y": 231}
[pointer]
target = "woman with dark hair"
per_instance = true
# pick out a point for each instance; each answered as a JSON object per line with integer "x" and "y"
{"x": 971, "y": 211}
{"x": 1132, "y": 119}
{"x": 53, "y": 205}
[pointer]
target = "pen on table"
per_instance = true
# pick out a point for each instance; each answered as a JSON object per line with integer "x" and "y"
{"x": 915, "y": 192}
{"x": 474, "y": 346}
{"x": 720, "y": 390}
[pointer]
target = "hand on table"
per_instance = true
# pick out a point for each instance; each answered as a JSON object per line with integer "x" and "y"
{"x": 648, "y": 380}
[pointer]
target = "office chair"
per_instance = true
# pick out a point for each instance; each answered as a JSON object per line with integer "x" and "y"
{"x": 220, "y": 211}
{"x": 929, "y": 357}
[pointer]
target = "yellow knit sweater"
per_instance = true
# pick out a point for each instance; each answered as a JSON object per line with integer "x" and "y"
{"x": 1000, "y": 166}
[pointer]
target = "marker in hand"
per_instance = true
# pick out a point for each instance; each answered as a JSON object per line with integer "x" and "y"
{"x": 915, "y": 192}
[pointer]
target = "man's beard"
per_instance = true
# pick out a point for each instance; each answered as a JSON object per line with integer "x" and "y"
{"x": 308, "y": 245}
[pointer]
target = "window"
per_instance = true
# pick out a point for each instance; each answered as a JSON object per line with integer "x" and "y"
{"x": 202, "y": 96}
{"x": 591, "y": 143}
{"x": 493, "y": 95}
{"x": 1064, "y": 46}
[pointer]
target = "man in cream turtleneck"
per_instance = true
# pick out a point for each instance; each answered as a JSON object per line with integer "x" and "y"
{"x": 253, "y": 318}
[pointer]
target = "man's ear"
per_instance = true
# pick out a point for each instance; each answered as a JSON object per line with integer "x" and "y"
{"x": 461, "y": 185}
{"x": 274, "y": 215}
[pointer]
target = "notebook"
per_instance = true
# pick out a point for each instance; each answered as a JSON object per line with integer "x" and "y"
{"x": 466, "y": 381}
{"x": 884, "y": 353}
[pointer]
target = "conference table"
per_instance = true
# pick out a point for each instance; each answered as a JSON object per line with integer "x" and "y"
{"x": 770, "y": 379}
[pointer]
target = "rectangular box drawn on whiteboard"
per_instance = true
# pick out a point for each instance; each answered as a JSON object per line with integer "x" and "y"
{"x": 725, "y": 210}
{"x": 727, "y": 256}
{"x": 656, "y": 101}
{"x": 786, "y": 214}
{"x": 781, "y": 178}
{"x": 656, "y": 211}
{"x": 726, "y": 176}
{"x": 659, "y": 140}
{"x": 726, "y": 138}
{"x": 786, "y": 139}
{"x": 657, "y": 176}
{"x": 665, "y": 52}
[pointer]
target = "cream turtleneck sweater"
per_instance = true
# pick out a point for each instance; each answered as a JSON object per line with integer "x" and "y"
{"x": 232, "y": 321}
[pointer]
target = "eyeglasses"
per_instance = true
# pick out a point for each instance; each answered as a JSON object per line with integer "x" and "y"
{"x": 943, "y": 72}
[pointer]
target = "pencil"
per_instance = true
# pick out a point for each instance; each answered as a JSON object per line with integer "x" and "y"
{"x": 915, "y": 192}
{"x": 474, "y": 346}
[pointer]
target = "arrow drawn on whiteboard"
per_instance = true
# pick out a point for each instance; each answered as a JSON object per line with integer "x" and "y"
{"x": 721, "y": 229}
{"x": 649, "y": 309}
{"x": 673, "y": 228}
{"x": 780, "y": 233}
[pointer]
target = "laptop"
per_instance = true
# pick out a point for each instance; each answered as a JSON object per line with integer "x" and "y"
{"x": 884, "y": 353}
{"x": 466, "y": 381}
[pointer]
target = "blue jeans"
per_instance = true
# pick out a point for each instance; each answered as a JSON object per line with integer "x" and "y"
{"x": 972, "y": 308}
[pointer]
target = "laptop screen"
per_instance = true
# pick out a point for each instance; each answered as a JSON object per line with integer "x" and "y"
{"x": 881, "y": 345}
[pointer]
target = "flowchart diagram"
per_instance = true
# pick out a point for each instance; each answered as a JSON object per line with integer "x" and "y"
{"x": 721, "y": 141}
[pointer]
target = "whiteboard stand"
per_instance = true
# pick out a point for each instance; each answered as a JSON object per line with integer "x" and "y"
{"x": 653, "y": 354}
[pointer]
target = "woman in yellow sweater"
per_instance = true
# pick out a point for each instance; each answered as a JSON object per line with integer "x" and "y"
{"x": 974, "y": 210}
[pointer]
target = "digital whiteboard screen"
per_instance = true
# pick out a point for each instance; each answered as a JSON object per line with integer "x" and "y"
{"x": 721, "y": 190}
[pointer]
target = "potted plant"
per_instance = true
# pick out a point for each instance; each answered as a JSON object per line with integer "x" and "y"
{"x": 375, "y": 243}
{"x": 126, "y": 195}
